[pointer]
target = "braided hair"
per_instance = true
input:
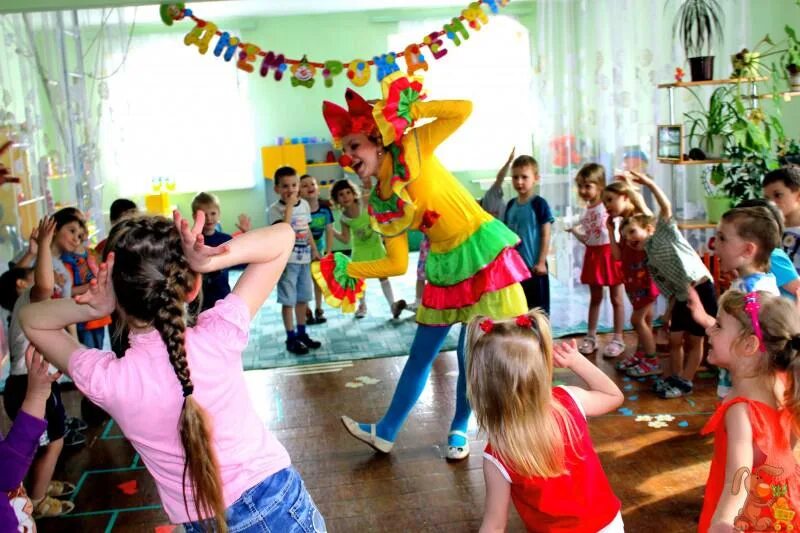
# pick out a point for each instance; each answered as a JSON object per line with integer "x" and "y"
{"x": 151, "y": 280}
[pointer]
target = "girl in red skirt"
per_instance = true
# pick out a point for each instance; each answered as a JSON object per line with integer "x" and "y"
{"x": 600, "y": 269}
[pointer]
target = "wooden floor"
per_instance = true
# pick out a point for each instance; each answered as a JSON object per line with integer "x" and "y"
{"x": 658, "y": 473}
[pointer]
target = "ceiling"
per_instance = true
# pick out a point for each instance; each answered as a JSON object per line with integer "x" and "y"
{"x": 229, "y": 8}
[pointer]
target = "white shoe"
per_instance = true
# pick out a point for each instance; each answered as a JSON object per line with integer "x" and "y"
{"x": 457, "y": 453}
{"x": 381, "y": 445}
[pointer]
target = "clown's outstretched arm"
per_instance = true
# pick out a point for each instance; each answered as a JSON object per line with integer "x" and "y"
{"x": 394, "y": 264}
{"x": 449, "y": 115}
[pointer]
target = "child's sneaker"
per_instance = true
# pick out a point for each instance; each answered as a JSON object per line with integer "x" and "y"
{"x": 648, "y": 366}
{"x": 676, "y": 388}
{"x": 308, "y": 342}
{"x": 629, "y": 362}
{"x": 319, "y": 317}
{"x": 296, "y": 347}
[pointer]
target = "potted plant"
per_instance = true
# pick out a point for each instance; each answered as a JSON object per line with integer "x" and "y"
{"x": 789, "y": 152}
{"x": 710, "y": 129}
{"x": 717, "y": 201}
{"x": 698, "y": 23}
{"x": 791, "y": 59}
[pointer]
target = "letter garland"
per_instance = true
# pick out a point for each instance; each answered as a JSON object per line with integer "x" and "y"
{"x": 359, "y": 71}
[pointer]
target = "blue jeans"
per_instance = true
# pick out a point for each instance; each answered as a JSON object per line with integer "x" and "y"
{"x": 280, "y": 503}
{"x": 93, "y": 338}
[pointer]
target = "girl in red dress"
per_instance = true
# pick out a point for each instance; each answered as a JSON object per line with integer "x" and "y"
{"x": 539, "y": 453}
{"x": 754, "y": 483}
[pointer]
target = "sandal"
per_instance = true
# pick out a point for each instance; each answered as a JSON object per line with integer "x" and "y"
{"x": 51, "y": 508}
{"x": 397, "y": 308}
{"x": 629, "y": 362}
{"x": 649, "y": 366}
{"x": 361, "y": 312}
{"x": 59, "y": 489}
{"x": 379, "y": 444}
{"x": 613, "y": 349}
{"x": 588, "y": 345}
{"x": 457, "y": 453}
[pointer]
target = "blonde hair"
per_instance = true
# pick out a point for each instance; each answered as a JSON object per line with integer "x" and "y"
{"x": 625, "y": 187}
{"x": 780, "y": 329}
{"x": 204, "y": 199}
{"x": 509, "y": 384}
{"x": 592, "y": 173}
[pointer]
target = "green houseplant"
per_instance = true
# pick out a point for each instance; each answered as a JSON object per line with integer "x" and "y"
{"x": 698, "y": 24}
{"x": 717, "y": 200}
{"x": 710, "y": 128}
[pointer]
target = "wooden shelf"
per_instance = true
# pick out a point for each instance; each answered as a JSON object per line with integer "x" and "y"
{"x": 322, "y": 164}
{"x": 731, "y": 81}
{"x": 695, "y": 224}
{"x": 693, "y": 161}
{"x": 785, "y": 96}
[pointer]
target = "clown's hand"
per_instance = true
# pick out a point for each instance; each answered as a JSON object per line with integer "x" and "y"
{"x": 338, "y": 288}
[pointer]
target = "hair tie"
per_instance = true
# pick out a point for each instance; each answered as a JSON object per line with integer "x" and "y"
{"x": 188, "y": 390}
{"x": 751, "y": 307}
{"x": 486, "y": 325}
{"x": 524, "y": 321}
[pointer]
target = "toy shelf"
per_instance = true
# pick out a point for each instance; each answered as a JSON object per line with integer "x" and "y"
{"x": 693, "y": 161}
{"x": 729, "y": 81}
{"x": 322, "y": 164}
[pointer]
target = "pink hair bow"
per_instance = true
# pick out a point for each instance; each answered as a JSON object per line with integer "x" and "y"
{"x": 751, "y": 307}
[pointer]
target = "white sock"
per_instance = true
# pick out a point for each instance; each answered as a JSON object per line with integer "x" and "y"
{"x": 386, "y": 287}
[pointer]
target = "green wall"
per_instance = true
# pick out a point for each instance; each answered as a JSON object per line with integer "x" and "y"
{"x": 283, "y": 110}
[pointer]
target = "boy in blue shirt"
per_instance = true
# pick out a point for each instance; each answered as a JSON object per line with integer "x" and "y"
{"x": 321, "y": 227}
{"x": 529, "y": 216}
{"x": 215, "y": 284}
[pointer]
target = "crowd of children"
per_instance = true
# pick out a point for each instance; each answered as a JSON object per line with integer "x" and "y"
{"x": 61, "y": 296}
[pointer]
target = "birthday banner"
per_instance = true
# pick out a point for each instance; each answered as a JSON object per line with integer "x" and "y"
{"x": 303, "y": 71}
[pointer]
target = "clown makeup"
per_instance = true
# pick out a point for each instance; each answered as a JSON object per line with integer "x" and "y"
{"x": 365, "y": 154}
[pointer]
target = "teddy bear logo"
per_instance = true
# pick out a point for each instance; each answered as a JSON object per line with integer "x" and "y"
{"x": 766, "y": 507}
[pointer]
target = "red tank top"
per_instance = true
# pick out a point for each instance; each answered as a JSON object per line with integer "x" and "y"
{"x": 579, "y": 502}
{"x": 773, "y": 500}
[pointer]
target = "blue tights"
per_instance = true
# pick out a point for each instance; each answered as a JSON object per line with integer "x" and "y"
{"x": 427, "y": 343}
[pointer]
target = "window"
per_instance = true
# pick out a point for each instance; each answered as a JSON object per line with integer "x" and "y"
{"x": 177, "y": 114}
{"x": 493, "y": 70}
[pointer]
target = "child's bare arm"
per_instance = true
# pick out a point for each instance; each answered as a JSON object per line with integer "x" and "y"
{"x": 44, "y": 277}
{"x": 498, "y": 498}
{"x": 603, "y": 394}
{"x": 344, "y": 235}
{"x": 664, "y": 205}
{"x": 739, "y": 455}
{"x": 540, "y": 267}
{"x": 503, "y": 172}
{"x": 329, "y": 232}
{"x": 616, "y": 251}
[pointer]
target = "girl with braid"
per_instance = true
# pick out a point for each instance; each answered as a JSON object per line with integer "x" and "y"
{"x": 179, "y": 393}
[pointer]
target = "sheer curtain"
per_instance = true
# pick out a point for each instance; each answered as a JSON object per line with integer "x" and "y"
{"x": 596, "y": 66}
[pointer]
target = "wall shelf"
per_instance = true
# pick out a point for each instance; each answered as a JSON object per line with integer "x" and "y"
{"x": 693, "y": 161}
{"x": 730, "y": 81}
{"x": 311, "y": 165}
{"x": 785, "y": 96}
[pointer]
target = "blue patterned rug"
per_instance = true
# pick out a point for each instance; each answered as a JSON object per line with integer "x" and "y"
{"x": 346, "y": 338}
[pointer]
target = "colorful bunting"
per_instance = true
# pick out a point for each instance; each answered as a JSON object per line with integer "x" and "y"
{"x": 358, "y": 71}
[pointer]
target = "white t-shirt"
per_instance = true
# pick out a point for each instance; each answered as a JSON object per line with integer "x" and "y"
{"x": 593, "y": 223}
{"x": 17, "y": 341}
{"x": 301, "y": 219}
{"x": 758, "y": 281}
{"x": 63, "y": 279}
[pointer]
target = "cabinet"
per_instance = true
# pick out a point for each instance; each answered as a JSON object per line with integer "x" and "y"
{"x": 287, "y": 155}
{"x": 306, "y": 158}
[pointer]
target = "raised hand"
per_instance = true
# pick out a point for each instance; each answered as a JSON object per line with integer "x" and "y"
{"x": 45, "y": 232}
{"x": 39, "y": 377}
{"x": 100, "y": 297}
{"x": 244, "y": 224}
{"x": 198, "y": 254}
{"x": 565, "y": 353}
{"x": 511, "y": 155}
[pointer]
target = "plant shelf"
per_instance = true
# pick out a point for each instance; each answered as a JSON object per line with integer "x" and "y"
{"x": 785, "y": 96}
{"x": 695, "y": 224}
{"x": 729, "y": 81}
{"x": 693, "y": 161}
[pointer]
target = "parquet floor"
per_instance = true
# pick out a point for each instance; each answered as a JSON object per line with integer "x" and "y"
{"x": 658, "y": 473}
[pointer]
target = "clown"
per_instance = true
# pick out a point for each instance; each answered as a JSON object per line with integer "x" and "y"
{"x": 472, "y": 269}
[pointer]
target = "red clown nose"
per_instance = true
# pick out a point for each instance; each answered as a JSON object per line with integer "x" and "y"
{"x": 345, "y": 161}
